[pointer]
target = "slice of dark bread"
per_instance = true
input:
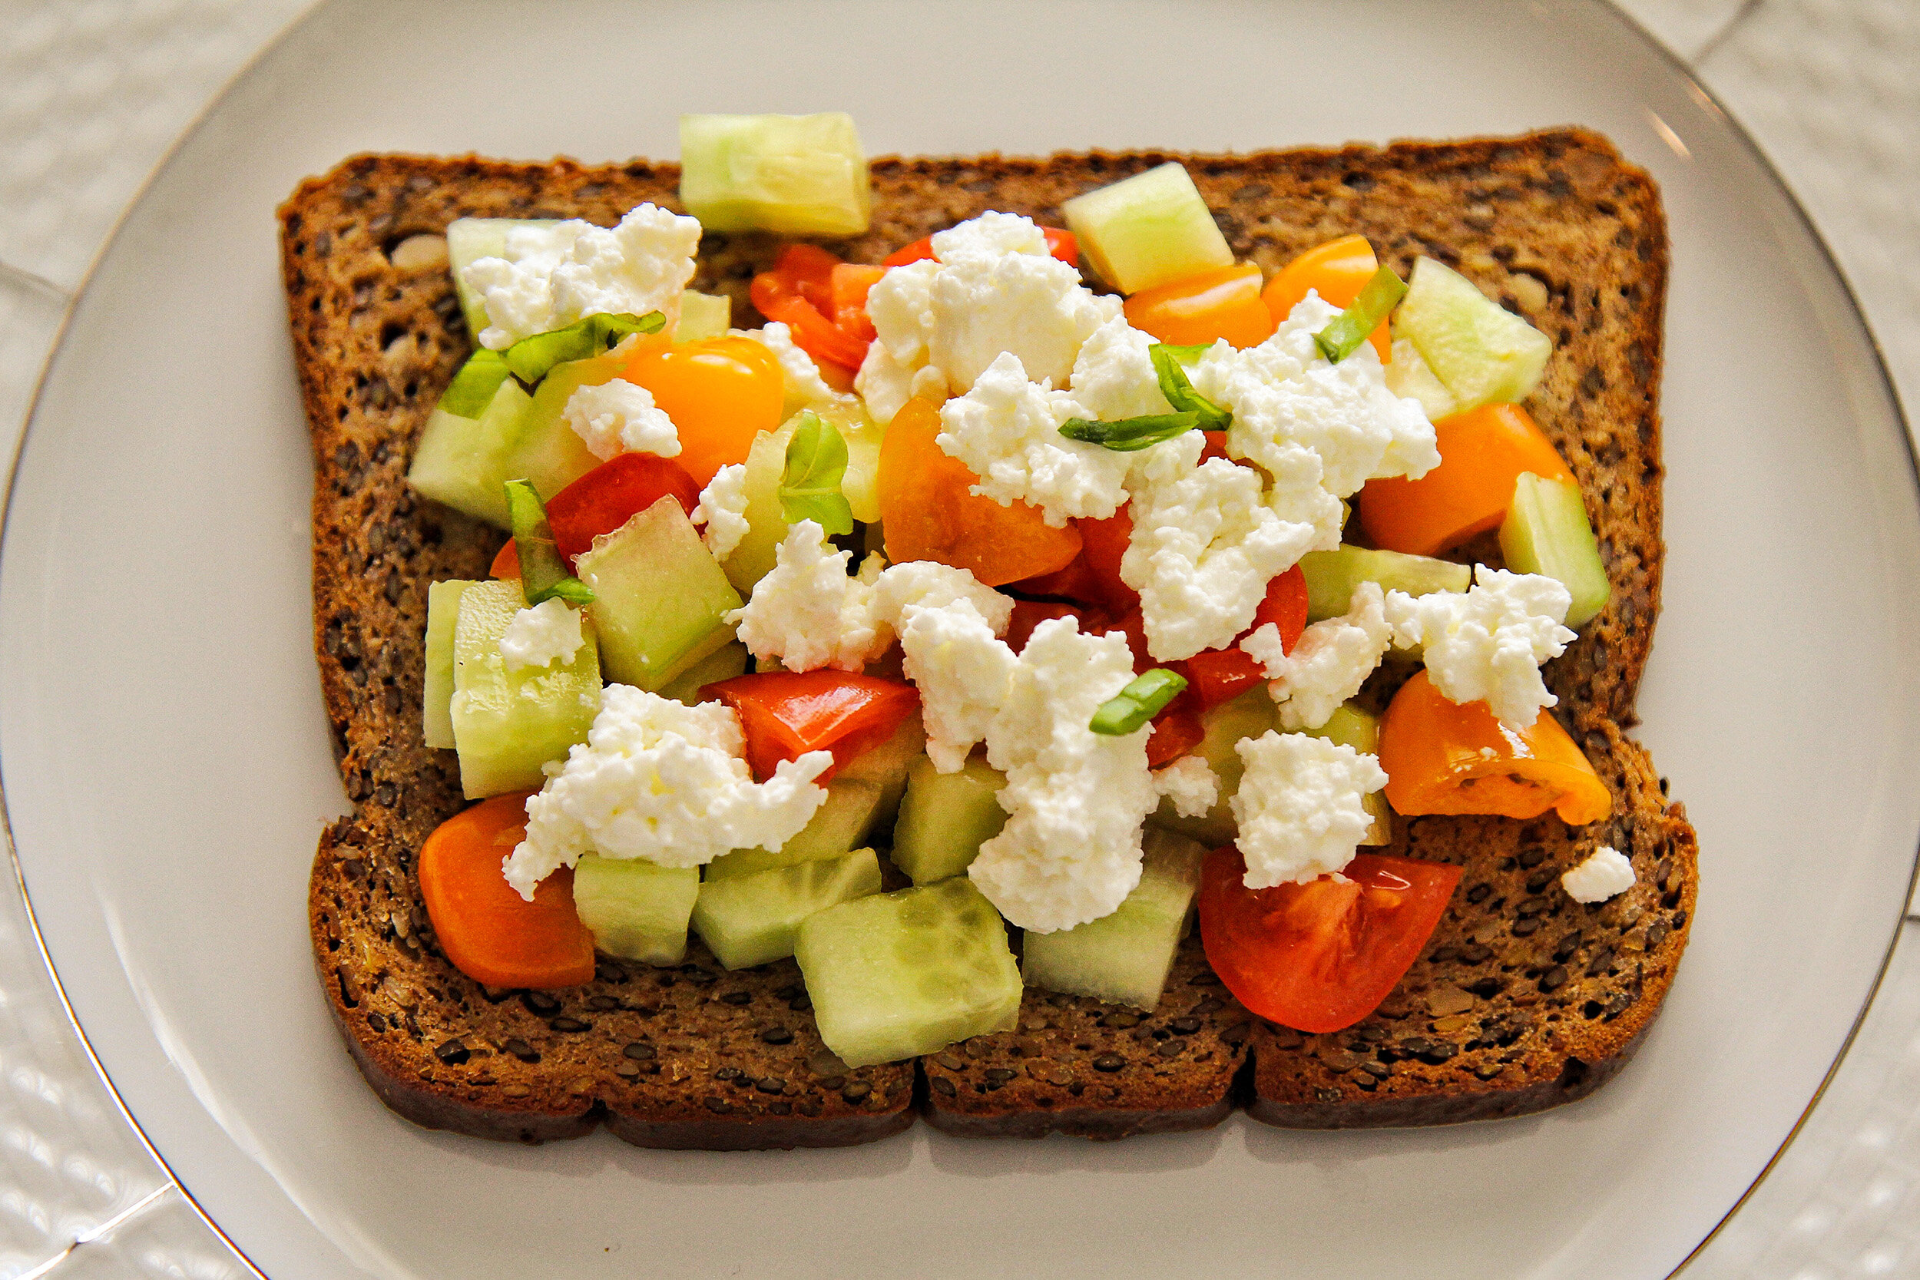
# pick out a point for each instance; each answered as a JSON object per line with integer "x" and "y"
{"x": 1554, "y": 223}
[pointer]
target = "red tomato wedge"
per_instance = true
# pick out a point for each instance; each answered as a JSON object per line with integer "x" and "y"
{"x": 1060, "y": 244}
{"x": 1320, "y": 956}
{"x": 610, "y": 495}
{"x": 1176, "y": 730}
{"x": 799, "y": 293}
{"x": 1221, "y": 675}
{"x": 786, "y": 714}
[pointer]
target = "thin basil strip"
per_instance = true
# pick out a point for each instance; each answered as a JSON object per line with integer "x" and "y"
{"x": 1130, "y": 434}
{"x": 543, "y": 570}
{"x": 471, "y": 390}
{"x": 531, "y": 357}
{"x": 1139, "y": 702}
{"x": 1346, "y": 331}
{"x": 1167, "y": 364}
{"x": 815, "y": 467}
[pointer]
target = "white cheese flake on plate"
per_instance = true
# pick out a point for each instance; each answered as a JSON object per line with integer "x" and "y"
{"x": 1487, "y": 643}
{"x": 548, "y": 632}
{"x": 620, "y": 417}
{"x": 1605, "y": 873}
{"x": 1299, "y": 807}
{"x": 1329, "y": 662}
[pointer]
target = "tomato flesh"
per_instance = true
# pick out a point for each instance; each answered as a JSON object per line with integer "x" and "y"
{"x": 800, "y": 293}
{"x": 612, "y": 494}
{"x": 721, "y": 394}
{"x": 786, "y": 714}
{"x": 1320, "y": 956}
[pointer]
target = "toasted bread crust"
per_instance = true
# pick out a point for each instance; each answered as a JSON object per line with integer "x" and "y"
{"x": 1554, "y": 223}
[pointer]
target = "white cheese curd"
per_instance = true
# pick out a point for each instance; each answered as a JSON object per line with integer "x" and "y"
{"x": 1205, "y": 545}
{"x": 549, "y": 277}
{"x": 549, "y": 632}
{"x": 926, "y": 584}
{"x": 1299, "y": 806}
{"x": 885, "y": 384}
{"x": 1487, "y": 643}
{"x": 963, "y": 671}
{"x": 1113, "y": 376}
{"x": 1329, "y": 662}
{"x": 1190, "y": 783}
{"x": 991, "y": 235}
{"x": 1075, "y": 799}
{"x": 620, "y": 417}
{"x": 809, "y": 612}
{"x": 1007, "y": 432}
{"x": 1604, "y": 874}
{"x": 805, "y": 388}
{"x": 661, "y": 781}
{"x": 722, "y": 510}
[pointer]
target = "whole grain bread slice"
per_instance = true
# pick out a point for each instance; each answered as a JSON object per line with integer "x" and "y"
{"x": 1553, "y": 223}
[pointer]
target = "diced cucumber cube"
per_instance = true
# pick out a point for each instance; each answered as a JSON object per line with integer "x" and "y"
{"x": 754, "y": 557}
{"x": 1546, "y": 532}
{"x": 841, "y": 824}
{"x": 1123, "y": 958}
{"x": 1147, "y": 230}
{"x": 470, "y": 239}
{"x": 462, "y": 461}
{"x": 507, "y": 723}
{"x": 703, "y": 315}
{"x": 1351, "y": 726}
{"x": 658, "y": 597}
{"x": 1247, "y": 716}
{"x": 1332, "y": 575}
{"x": 443, "y": 611}
{"x": 1481, "y": 352}
{"x": 946, "y": 817}
{"x": 1409, "y": 376}
{"x": 724, "y": 663}
{"x": 750, "y": 920}
{"x": 792, "y": 175}
{"x": 636, "y": 909}
{"x": 896, "y": 974}
{"x": 886, "y": 765}
{"x": 549, "y": 452}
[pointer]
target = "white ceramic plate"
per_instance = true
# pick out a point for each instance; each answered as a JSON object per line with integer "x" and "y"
{"x": 166, "y": 760}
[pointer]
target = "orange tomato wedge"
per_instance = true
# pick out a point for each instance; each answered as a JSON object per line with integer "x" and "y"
{"x": 928, "y": 513}
{"x": 506, "y": 561}
{"x": 486, "y": 928}
{"x": 1222, "y": 303}
{"x": 1454, "y": 757}
{"x": 720, "y": 393}
{"x": 1483, "y": 453}
{"x": 1337, "y": 271}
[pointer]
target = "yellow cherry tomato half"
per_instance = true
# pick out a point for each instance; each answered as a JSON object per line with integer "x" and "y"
{"x": 720, "y": 393}
{"x": 1337, "y": 271}
{"x": 1223, "y": 303}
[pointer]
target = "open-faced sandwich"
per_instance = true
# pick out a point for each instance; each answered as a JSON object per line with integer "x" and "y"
{"x": 1070, "y": 644}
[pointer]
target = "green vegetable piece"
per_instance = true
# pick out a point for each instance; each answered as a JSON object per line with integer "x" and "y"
{"x": 837, "y": 827}
{"x": 1124, "y": 957}
{"x": 792, "y": 175}
{"x": 1332, "y": 575}
{"x": 946, "y": 817}
{"x": 753, "y": 919}
{"x": 1350, "y": 726}
{"x": 1223, "y": 726}
{"x": 1481, "y": 352}
{"x": 1128, "y": 435}
{"x": 543, "y": 570}
{"x": 1546, "y": 532}
{"x": 810, "y": 485}
{"x": 636, "y": 909}
{"x": 532, "y": 356}
{"x": 1153, "y": 228}
{"x": 659, "y": 599}
{"x": 471, "y": 390}
{"x": 1169, "y": 363}
{"x": 1346, "y": 331}
{"x": 443, "y": 612}
{"x": 461, "y": 461}
{"x": 469, "y": 240}
{"x": 508, "y": 722}
{"x": 703, "y": 315}
{"x": 1139, "y": 702}
{"x": 724, "y": 663}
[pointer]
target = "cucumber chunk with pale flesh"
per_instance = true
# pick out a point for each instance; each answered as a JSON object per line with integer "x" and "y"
{"x": 791, "y": 175}
{"x": 752, "y": 919}
{"x": 724, "y": 663}
{"x": 1481, "y": 352}
{"x": 1123, "y": 957}
{"x": 1247, "y": 716}
{"x": 658, "y": 597}
{"x": 703, "y": 315}
{"x": 469, "y": 240}
{"x": 1546, "y": 532}
{"x": 754, "y": 556}
{"x": 1332, "y": 575}
{"x": 1147, "y": 230}
{"x": 946, "y": 817}
{"x": 443, "y": 612}
{"x": 462, "y": 461}
{"x": 1352, "y": 727}
{"x": 509, "y": 722}
{"x": 896, "y": 974}
{"x": 636, "y": 909}
{"x": 887, "y": 765}
{"x": 840, "y": 824}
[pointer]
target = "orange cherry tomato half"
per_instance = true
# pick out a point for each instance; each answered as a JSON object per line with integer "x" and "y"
{"x": 506, "y": 561}
{"x": 847, "y": 288}
{"x": 1060, "y": 244}
{"x": 1483, "y": 453}
{"x": 798, "y": 292}
{"x": 1222, "y": 303}
{"x": 1454, "y": 757}
{"x": 1323, "y": 955}
{"x": 720, "y": 393}
{"x": 1337, "y": 271}
{"x": 612, "y": 494}
{"x": 786, "y": 714}
{"x": 486, "y": 928}
{"x": 929, "y": 514}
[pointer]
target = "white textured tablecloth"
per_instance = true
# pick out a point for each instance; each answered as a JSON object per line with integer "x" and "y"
{"x": 93, "y": 91}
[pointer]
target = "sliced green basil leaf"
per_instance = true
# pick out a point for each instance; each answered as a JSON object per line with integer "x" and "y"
{"x": 816, "y": 466}
{"x": 1129, "y": 434}
{"x": 1190, "y": 355}
{"x": 471, "y": 390}
{"x": 543, "y": 570}
{"x": 1346, "y": 331}
{"x": 1167, "y": 364}
{"x": 1139, "y": 702}
{"x": 531, "y": 357}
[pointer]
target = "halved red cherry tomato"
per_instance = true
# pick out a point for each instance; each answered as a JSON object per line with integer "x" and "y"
{"x": 1060, "y": 244}
{"x": 506, "y": 562}
{"x": 1176, "y": 730}
{"x": 1103, "y": 542}
{"x": 720, "y": 392}
{"x": 1221, "y": 675}
{"x": 798, "y": 292}
{"x": 1028, "y": 614}
{"x": 1323, "y": 955}
{"x": 786, "y": 714}
{"x": 612, "y": 494}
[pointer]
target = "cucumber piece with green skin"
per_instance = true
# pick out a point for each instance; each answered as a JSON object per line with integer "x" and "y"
{"x": 1332, "y": 575}
{"x": 753, "y": 919}
{"x": 754, "y": 557}
{"x": 1481, "y": 352}
{"x": 507, "y": 723}
{"x": 1546, "y": 532}
{"x": 1123, "y": 958}
{"x": 549, "y": 452}
{"x": 462, "y": 462}
{"x": 703, "y": 315}
{"x": 887, "y": 765}
{"x": 636, "y": 909}
{"x": 1147, "y": 230}
{"x": 1352, "y": 727}
{"x": 791, "y": 175}
{"x": 840, "y": 824}
{"x": 469, "y": 240}
{"x": 443, "y": 612}
{"x": 658, "y": 597}
{"x": 724, "y": 663}
{"x": 1247, "y": 716}
{"x": 946, "y": 817}
{"x": 896, "y": 974}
